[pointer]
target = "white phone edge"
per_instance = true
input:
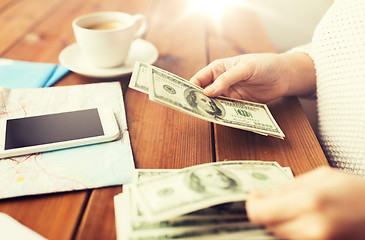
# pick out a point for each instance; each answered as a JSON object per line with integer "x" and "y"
{"x": 108, "y": 122}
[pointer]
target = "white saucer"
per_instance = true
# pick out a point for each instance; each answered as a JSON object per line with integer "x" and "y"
{"x": 141, "y": 50}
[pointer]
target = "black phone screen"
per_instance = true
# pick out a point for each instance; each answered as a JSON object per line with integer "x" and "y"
{"x": 52, "y": 128}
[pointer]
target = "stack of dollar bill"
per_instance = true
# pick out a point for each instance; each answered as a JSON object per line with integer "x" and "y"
{"x": 201, "y": 202}
{"x": 175, "y": 92}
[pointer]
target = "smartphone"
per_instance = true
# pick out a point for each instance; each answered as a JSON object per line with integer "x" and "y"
{"x": 32, "y": 134}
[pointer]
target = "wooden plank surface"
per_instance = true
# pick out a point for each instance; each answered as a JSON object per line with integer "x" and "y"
{"x": 160, "y": 137}
{"x": 18, "y": 18}
{"x": 300, "y": 150}
{"x": 54, "y": 216}
{"x": 182, "y": 140}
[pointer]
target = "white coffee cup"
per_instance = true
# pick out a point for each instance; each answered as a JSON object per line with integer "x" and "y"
{"x": 105, "y": 38}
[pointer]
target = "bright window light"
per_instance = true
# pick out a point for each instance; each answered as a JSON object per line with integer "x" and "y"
{"x": 213, "y": 7}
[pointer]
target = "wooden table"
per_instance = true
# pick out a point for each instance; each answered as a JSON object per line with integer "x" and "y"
{"x": 37, "y": 30}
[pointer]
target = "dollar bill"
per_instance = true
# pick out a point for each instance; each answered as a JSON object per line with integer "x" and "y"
{"x": 182, "y": 95}
{"x": 206, "y": 185}
{"x": 175, "y": 92}
{"x": 227, "y": 211}
{"x": 140, "y": 77}
{"x": 223, "y": 221}
{"x": 174, "y": 229}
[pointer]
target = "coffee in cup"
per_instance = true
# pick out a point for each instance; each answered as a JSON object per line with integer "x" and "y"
{"x": 107, "y": 25}
{"x": 105, "y": 37}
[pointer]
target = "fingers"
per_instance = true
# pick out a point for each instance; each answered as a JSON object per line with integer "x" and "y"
{"x": 230, "y": 77}
{"x": 306, "y": 226}
{"x": 203, "y": 77}
{"x": 280, "y": 205}
{"x": 215, "y": 78}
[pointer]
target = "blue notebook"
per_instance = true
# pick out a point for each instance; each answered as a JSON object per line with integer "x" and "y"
{"x": 22, "y": 74}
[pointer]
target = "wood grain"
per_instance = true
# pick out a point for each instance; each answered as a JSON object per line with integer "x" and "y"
{"x": 300, "y": 150}
{"x": 54, "y": 216}
{"x": 18, "y": 18}
{"x": 98, "y": 221}
{"x": 162, "y": 137}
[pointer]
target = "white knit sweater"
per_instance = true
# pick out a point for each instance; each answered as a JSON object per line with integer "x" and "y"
{"x": 338, "y": 53}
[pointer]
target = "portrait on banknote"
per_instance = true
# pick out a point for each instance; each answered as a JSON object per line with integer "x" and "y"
{"x": 212, "y": 180}
{"x": 204, "y": 105}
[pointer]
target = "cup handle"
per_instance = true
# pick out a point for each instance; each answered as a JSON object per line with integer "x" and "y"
{"x": 141, "y": 22}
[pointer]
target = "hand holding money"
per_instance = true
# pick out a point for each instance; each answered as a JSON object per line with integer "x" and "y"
{"x": 180, "y": 94}
{"x": 205, "y": 201}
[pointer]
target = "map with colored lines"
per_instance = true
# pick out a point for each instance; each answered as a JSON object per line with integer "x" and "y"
{"x": 92, "y": 166}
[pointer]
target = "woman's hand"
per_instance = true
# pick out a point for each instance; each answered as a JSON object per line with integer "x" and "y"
{"x": 323, "y": 204}
{"x": 257, "y": 77}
